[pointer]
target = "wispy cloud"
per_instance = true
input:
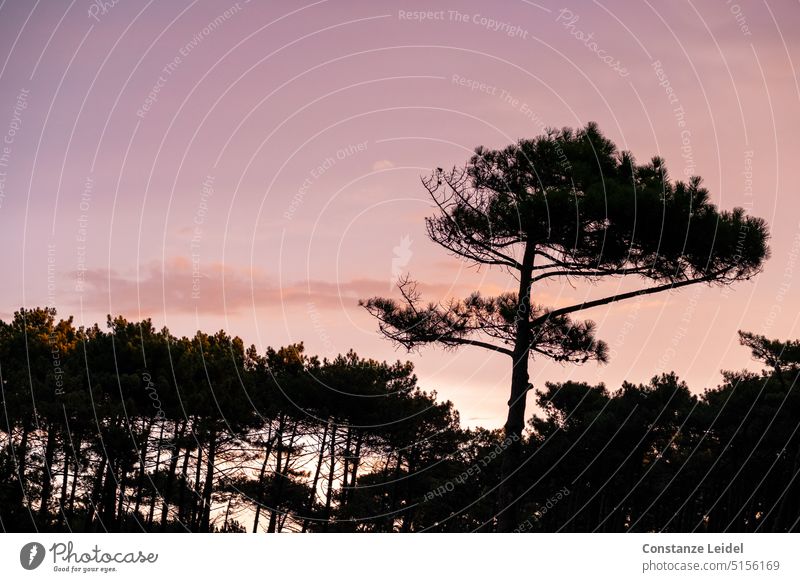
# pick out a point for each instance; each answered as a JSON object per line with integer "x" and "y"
{"x": 179, "y": 287}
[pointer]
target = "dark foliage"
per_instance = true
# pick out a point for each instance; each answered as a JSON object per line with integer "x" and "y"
{"x": 132, "y": 429}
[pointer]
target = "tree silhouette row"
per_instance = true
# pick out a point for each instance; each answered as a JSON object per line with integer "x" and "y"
{"x": 130, "y": 428}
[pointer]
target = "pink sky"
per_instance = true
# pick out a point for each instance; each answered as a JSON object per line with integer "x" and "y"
{"x": 279, "y": 153}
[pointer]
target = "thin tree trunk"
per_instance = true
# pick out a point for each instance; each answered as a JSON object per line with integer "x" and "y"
{"x": 329, "y": 494}
{"x": 408, "y": 514}
{"x": 259, "y": 495}
{"x": 22, "y": 456}
{"x": 173, "y": 466}
{"x": 227, "y": 513}
{"x": 348, "y": 488}
{"x": 109, "y": 495}
{"x": 395, "y": 485}
{"x": 276, "y": 477}
{"x": 62, "y": 503}
{"x": 96, "y": 490}
{"x": 142, "y": 467}
{"x": 261, "y": 484}
{"x": 283, "y": 476}
{"x": 74, "y": 486}
{"x": 314, "y": 484}
{"x": 356, "y": 463}
{"x": 123, "y": 483}
{"x": 209, "y": 485}
{"x": 155, "y": 473}
{"x": 282, "y": 521}
{"x": 196, "y": 498}
{"x": 47, "y": 477}
{"x": 346, "y": 456}
{"x": 515, "y": 422}
{"x": 184, "y": 484}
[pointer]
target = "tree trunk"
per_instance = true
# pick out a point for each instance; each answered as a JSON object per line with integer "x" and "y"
{"x": 74, "y": 486}
{"x": 22, "y": 456}
{"x": 259, "y": 495}
{"x": 515, "y": 422}
{"x": 282, "y": 521}
{"x": 227, "y": 514}
{"x": 409, "y": 513}
{"x": 184, "y": 484}
{"x": 142, "y": 468}
{"x": 348, "y": 488}
{"x": 346, "y": 456}
{"x": 355, "y": 464}
{"x": 109, "y": 496}
{"x": 209, "y": 485}
{"x": 261, "y": 485}
{"x": 276, "y": 477}
{"x": 313, "y": 494}
{"x": 173, "y": 466}
{"x": 47, "y": 477}
{"x": 155, "y": 474}
{"x": 96, "y": 489}
{"x": 395, "y": 488}
{"x": 280, "y": 484}
{"x": 329, "y": 494}
{"x": 62, "y": 503}
{"x": 123, "y": 483}
{"x": 196, "y": 498}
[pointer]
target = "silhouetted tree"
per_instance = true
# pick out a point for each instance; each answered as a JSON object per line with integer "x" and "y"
{"x": 565, "y": 205}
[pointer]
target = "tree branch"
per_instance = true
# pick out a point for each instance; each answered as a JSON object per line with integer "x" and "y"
{"x": 622, "y": 296}
{"x": 596, "y": 273}
{"x": 477, "y": 343}
{"x": 500, "y": 258}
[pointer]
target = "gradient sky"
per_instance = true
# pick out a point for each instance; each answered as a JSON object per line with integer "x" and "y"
{"x": 279, "y": 152}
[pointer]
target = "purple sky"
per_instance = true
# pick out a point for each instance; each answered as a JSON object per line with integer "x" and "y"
{"x": 269, "y": 156}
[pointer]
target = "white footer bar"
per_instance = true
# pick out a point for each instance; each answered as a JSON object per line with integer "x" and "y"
{"x": 412, "y": 557}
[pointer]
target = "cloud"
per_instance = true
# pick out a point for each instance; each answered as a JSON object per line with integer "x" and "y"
{"x": 382, "y": 165}
{"x": 178, "y": 287}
